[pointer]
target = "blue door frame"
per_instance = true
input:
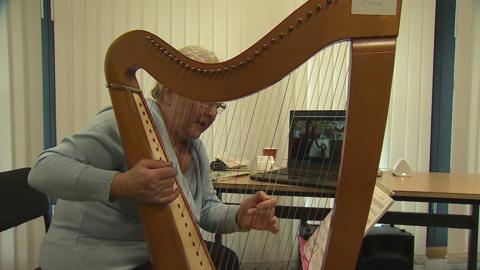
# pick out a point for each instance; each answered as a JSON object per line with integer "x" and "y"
{"x": 442, "y": 103}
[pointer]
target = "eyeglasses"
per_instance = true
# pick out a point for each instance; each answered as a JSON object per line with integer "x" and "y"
{"x": 219, "y": 107}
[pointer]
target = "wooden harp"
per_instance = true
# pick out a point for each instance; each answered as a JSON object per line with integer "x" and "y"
{"x": 308, "y": 29}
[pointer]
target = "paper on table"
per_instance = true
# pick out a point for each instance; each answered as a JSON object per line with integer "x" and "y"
{"x": 221, "y": 175}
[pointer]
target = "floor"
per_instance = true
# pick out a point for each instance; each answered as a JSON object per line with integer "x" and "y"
{"x": 431, "y": 264}
{"x": 441, "y": 264}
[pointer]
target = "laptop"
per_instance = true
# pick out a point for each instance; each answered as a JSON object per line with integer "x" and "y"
{"x": 315, "y": 145}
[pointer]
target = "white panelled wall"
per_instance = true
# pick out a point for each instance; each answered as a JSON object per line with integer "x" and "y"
{"x": 85, "y": 28}
{"x": 407, "y": 135}
{"x": 466, "y": 129}
{"x": 21, "y": 132}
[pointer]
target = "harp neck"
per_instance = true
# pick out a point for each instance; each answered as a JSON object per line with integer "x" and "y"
{"x": 314, "y": 25}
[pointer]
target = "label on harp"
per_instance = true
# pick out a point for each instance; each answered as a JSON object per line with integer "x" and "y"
{"x": 374, "y": 7}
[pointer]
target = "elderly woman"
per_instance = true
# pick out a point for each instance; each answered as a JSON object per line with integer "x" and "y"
{"x": 96, "y": 224}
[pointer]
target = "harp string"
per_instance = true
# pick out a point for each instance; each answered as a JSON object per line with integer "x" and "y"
{"x": 309, "y": 77}
{"x": 271, "y": 144}
{"x": 305, "y": 100}
{"x": 321, "y": 183}
{"x": 229, "y": 143}
{"x": 258, "y": 142}
{"x": 174, "y": 140}
{"x": 270, "y": 185}
{"x": 274, "y": 181}
{"x": 319, "y": 205}
{"x": 243, "y": 148}
{"x": 265, "y": 117}
{"x": 226, "y": 129}
{"x": 311, "y": 106}
{"x": 330, "y": 88}
{"x": 273, "y": 138}
{"x": 192, "y": 182}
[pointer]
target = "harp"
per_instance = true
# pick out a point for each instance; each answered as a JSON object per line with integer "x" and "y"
{"x": 311, "y": 27}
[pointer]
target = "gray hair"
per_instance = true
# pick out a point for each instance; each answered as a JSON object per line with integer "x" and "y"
{"x": 194, "y": 52}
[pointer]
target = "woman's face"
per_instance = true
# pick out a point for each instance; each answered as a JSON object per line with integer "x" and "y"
{"x": 187, "y": 119}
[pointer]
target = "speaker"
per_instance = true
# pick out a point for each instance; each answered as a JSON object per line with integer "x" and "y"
{"x": 401, "y": 168}
{"x": 386, "y": 247}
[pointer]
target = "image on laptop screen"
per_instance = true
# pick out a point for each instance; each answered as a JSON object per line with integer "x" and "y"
{"x": 315, "y": 144}
{"x": 315, "y": 141}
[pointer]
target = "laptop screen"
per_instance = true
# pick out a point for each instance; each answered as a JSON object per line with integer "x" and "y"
{"x": 316, "y": 140}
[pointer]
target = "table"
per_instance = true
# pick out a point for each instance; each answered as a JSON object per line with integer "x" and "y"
{"x": 458, "y": 188}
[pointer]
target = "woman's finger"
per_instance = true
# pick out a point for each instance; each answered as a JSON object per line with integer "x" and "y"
{"x": 269, "y": 203}
{"x": 274, "y": 226}
{"x": 154, "y": 163}
{"x": 164, "y": 173}
{"x": 167, "y": 198}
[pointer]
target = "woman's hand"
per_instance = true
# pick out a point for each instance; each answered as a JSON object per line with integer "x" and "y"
{"x": 258, "y": 212}
{"x": 150, "y": 181}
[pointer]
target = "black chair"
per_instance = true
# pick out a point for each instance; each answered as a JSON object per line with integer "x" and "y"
{"x": 19, "y": 202}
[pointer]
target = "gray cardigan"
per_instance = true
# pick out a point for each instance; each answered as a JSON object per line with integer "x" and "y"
{"x": 89, "y": 229}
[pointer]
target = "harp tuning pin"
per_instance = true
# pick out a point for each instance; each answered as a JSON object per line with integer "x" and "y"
{"x": 205, "y": 71}
{"x": 300, "y": 20}
{"x": 256, "y": 53}
{"x": 265, "y": 46}
{"x": 273, "y": 41}
{"x": 175, "y": 60}
{"x": 309, "y": 13}
{"x": 319, "y": 6}
{"x": 193, "y": 69}
{"x": 219, "y": 70}
{"x": 233, "y": 67}
{"x": 241, "y": 63}
{"x": 329, "y": 1}
{"x": 165, "y": 52}
{"x": 249, "y": 59}
{"x": 282, "y": 35}
{"x": 161, "y": 49}
{"x": 170, "y": 56}
{"x": 148, "y": 37}
{"x": 199, "y": 70}
{"x": 181, "y": 63}
{"x": 290, "y": 28}
{"x": 212, "y": 71}
{"x": 187, "y": 66}
{"x": 225, "y": 69}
